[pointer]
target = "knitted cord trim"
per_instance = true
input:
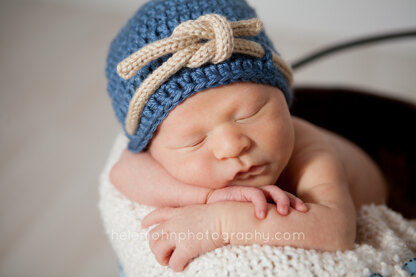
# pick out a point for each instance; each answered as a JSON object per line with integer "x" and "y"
{"x": 209, "y": 39}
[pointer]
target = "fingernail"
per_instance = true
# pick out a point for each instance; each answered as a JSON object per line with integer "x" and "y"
{"x": 261, "y": 214}
{"x": 283, "y": 210}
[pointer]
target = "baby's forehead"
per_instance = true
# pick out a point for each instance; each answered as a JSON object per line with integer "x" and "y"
{"x": 220, "y": 104}
{"x": 214, "y": 101}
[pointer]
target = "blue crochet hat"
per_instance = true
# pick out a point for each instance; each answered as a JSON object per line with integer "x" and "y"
{"x": 130, "y": 72}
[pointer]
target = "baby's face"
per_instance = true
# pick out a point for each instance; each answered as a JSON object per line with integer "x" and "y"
{"x": 240, "y": 134}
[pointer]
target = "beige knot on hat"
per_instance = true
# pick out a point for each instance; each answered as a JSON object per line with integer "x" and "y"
{"x": 211, "y": 38}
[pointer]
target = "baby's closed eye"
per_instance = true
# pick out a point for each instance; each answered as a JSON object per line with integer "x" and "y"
{"x": 246, "y": 116}
{"x": 197, "y": 142}
{"x": 184, "y": 142}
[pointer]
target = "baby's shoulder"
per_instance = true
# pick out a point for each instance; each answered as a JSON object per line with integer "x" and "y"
{"x": 313, "y": 142}
{"x": 310, "y": 143}
{"x": 308, "y": 136}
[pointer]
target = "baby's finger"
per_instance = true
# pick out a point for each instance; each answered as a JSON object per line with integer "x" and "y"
{"x": 279, "y": 197}
{"x": 297, "y": 203}
{"x": 156, "y": 234}
{"x": 157, "y": 216}
{"x": 258, "y": 199}
{"x": 181, "y": 256}
{"x": 162, "y": 249}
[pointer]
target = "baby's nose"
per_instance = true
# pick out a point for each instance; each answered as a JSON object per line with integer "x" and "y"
{"x": 230, "y": 142}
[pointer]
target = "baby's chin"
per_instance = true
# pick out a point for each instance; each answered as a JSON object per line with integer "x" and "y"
{"x": 218, "y": 183}
{"x": 255, "y": 181}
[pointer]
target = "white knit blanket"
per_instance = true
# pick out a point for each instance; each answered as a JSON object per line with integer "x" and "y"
{"x": 385, "y": 240}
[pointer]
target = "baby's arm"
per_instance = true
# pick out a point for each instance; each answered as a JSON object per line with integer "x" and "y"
{"x": 329, "y": 225}
{"x": 327, "y": 228}
{"x": 142, "y": 179}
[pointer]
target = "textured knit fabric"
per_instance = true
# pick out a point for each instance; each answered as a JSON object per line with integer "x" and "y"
{"x": 156, "y": 20}
{"x": 385, "y": 242}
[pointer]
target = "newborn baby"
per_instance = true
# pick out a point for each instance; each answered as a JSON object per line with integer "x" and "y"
{"x": 204, "y": 102}
{"x": 224, "y": 140}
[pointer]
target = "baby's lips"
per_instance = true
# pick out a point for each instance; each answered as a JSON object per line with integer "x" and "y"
{"x": 254, "y": 170}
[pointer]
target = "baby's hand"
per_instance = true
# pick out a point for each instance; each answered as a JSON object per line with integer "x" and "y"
{"x": 184, "y": 233}
{"x": 259, "y": 197}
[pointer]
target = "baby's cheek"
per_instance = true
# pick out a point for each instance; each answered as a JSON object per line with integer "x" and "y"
{"x": 280, "y": 137}
{"x": 268, "y": 136}
{"x": 202, "y": 171}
